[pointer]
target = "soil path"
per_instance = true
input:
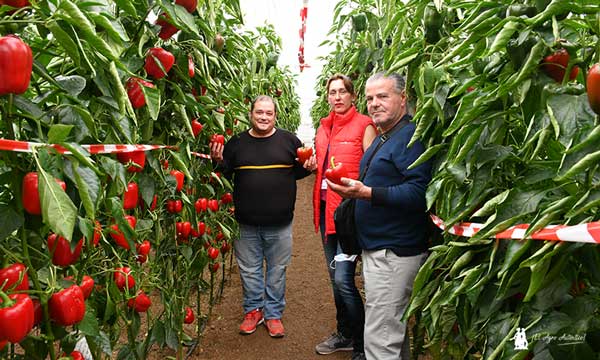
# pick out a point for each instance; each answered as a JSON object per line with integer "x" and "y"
{"x": 310, "y": 312}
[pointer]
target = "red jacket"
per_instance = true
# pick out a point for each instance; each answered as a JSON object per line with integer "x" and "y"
{"x": 343, "y": 134}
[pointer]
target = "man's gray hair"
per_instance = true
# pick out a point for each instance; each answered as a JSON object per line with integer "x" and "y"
{"x": 263, "y": 98}
{"x": 399, "y": 82}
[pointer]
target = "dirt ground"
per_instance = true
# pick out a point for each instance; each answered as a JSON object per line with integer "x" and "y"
{"x": 309, "y": 316}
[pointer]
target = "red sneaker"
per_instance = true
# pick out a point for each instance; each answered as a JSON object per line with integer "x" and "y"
{"x": 275, "y": 328}
{"x": 251, "y": 320}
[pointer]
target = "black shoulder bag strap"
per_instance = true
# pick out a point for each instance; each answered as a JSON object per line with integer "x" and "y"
{"x": 384, "y": 137}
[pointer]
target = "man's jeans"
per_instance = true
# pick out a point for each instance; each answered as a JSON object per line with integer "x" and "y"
{"x": 274, "y": 244}
{"x": 350, "y": 312}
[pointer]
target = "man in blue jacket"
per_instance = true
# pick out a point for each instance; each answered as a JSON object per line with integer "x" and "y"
{"x": 391, "y": 217}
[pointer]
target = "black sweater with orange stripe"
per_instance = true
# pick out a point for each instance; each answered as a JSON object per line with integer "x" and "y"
{"x": 264, "y": 174}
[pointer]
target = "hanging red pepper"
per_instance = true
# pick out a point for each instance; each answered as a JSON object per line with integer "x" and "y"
{"x": 87, "y": 285}
{"x": 226, "y": 198}
{"x": 16, "y": 317}
{"x": 135, "y": 93}
{"x": 118, "y": 235}
{"x": 16, "y": 62}
{"x": 179, "y": 177}
{"x": 123, "y": 278}
{"x": 97, "y": 233}
{"x": 141, "y": 303}
{"x": 183, "y": 229}
{"x": 199, "y": 231}
{"x": 67, "y": 307}
{"x": 165, "y": 58}
{"x": 174, "y": 206}
{"x": 60, "y": 249}
{"x": 555, "y": 65}
{"x": 166, "y": 28}
{"x": 593, "y": 88}
{"x": 196, "y": 127}
{"x": 201, "y": 205}
{"x": 31, "y": 195}
{"x": 15, "y": 3}
{"x": 131, "y": 196}
{"x": 136, "y": 160}
{"x": 189, "y": 315}
{"x": 189, "y": 5}
{"x": 191, "y": 69}
{"x": 213, "y": 205}
{"x": 9, "y": 277}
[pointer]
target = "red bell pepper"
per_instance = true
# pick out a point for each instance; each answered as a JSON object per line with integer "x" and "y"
{"x": 16, "y": 317}
{"x": 183, "y": 229}
{"x": 166, "y": 28}
{"x": 214, "y": 267}
{"x": 136, "y": 160}
{"x": 212, "y": 252}
{"x": 15, "y": 3}
{"x": 123, "y": 278}
{"x": 217, "y": 138}
{"x": 189, "y": 5}
{"x": 555, "y": 65}
{"x": 131, "y": 196}
{"x": 60, "y": 250}
{"x": 226, "y": 198}
{"x": 164, "y": 58}
{"x": 200, "y": 230}
{"x": 201, "y": 205}
{"x": 303, "y": 154}
{"x": 143, "y": 250}
{"x": 76, "y": 355}
{"x": 97, "y": 233}
{"x": 336, "y": 172}
{"x": 174, "y": 206}
{"x": 213, "y": 205}
{"x": 38, "y": 312}
{"x": 118, "y": 235}
{"x": 179, "y": 177}
{"x": 141, "y": 303}
{"x": 189, "y": 315}
{"x": 10, "y": 275}
{"x": 593, "y": 88}
{"x": 67, "y": 307}
{"x": 16, "y": 62}
{"x": 87, "y": 285}
{"x": 135, "y": 93}
{"x": 31, "y": 194}
{"x": 191, "y": 68}
{"x": 225, "y": 247}
{"x": 196, "y": 127}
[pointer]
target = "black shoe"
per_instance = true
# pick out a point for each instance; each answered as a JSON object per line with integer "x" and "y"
{"x": 336, "y": 342}
{"x": 358, "y": 356}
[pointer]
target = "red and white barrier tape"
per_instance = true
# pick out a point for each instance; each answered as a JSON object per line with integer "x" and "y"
{"x": 586, "y": 233}
{"x": 27, "y": 146}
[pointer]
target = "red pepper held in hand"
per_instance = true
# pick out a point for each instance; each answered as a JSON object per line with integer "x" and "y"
{"x": 31, "y": 195}
{"x": 16, "y": 62}
{"x": 60, "y": 249}
{"x": 217, "y": 138}
{"x": 336, "y": 172}
{"x": 67, "y": 307}
{"x": 303, "y": 154}
{"x": 16, "y": 317}
{"x": 164, "y": 58}
{"x": 135, "y": 93}
{"x": 9, "y": 277}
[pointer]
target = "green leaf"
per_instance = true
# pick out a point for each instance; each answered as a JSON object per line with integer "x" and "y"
{"x": 59, "y": 133}
{"x": 152, "y": 96}
{"x": 10, "y": 221}
{"x": 573, "y": 116}
{"x": 88, "y": 185}
{"x": 89, "y": 325}
{"x": 58, "y": 211}
{"x": 73, "y": 84}
{"x": 64, "y": 40}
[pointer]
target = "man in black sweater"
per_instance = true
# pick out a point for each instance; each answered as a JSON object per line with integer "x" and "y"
{"x": 264, "y": 170}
